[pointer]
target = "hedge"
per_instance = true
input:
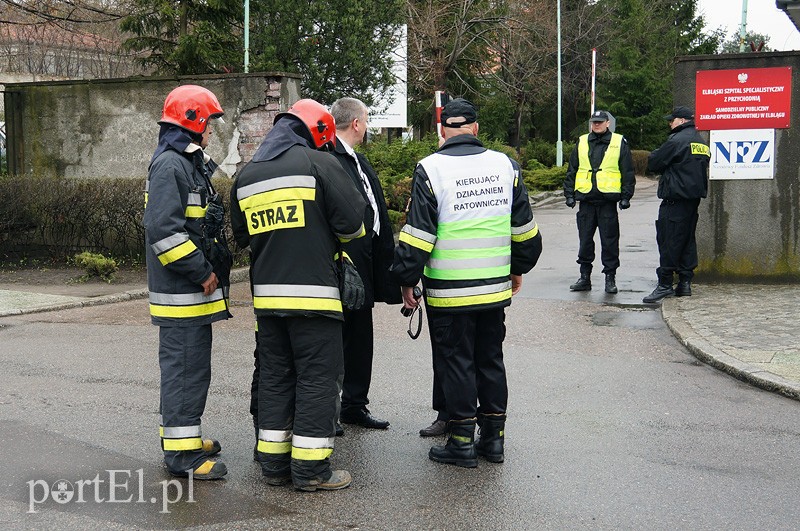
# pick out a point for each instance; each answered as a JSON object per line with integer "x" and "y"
{"x": 57, "y": 218}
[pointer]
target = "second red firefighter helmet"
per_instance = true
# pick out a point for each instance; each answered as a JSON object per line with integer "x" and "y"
{"x": 191, "y": 107}
{"x": 318, "y": 120}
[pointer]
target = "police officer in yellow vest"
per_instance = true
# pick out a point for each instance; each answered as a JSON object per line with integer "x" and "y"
{"x": 599, "y": 175}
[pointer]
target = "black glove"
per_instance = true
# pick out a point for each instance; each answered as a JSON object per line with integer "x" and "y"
{"x": 351, "y": 288}
{"x": 571, "y": 202}
{"x": 624, "y": 203}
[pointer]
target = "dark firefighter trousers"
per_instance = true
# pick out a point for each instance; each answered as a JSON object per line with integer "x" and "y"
{"x": 601, "y": 215}
{"x": 675, "y": 235}
{"x": 469, "y": 348}
{"x": 184, "y": 355}
{"x": 300, "y": 377}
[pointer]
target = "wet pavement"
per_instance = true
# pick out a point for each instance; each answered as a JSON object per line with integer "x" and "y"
{"x": 612, "y": 422}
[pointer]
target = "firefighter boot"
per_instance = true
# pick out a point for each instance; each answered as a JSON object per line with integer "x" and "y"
{"x": 611, "y": 283}
{"x": 460, "y": 447}
{"x": 492, "y": 431}
{"x": 211, "y": 447}
{"x": 207, "y": 470}
{"x": 583, "y": 284}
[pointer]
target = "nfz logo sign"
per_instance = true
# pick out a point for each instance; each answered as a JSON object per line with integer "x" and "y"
{"x": 743, "y": 154}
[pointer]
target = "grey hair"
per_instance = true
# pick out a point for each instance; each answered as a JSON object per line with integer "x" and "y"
{"x": 345, "y": 110}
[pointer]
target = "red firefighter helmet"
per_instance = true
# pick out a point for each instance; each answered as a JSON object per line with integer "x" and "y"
{"x": 191, "y": 107}
{"x": 318, "y": 120}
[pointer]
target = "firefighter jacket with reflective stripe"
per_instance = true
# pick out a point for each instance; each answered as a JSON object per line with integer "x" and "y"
{"x": 293, "y": 210}
{"x": 176, "y": 195}
{"x": 468, "y": 228}
{"x": 682, "y": 162}
{"x": 600, "y": 169}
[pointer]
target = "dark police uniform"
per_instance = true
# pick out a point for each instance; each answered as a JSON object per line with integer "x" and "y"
{"x": 683, "y": 163}
{"x": 600, "y": 174}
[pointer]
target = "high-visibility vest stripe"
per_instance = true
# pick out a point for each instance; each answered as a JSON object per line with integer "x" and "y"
{"x": 287, "y": 181}
{"x": 176, "y": 253}
{"x": 297, "y": 303}
{"x": 295, "y": 290}
{"x": 344, "y": 238}
{"x": 179, "y": 432}
{"x": 493, "y": 226}
{"x": 473, "y": 300}
{"x": 186, "y": 299}
{"x": 525, "y": 235}
{"x": 195, "y": 212}
{"x": 269, "y": 447}
{"x": 467, "y": 291}
{"x": 413, "y": 241}
{"x": 170, "y": 242}
{"x": 311, "y": 454}
{"x": 419, "y": 233}
{"x": 467, "y": 274}
{"x": 474, "y": 243}
{"x": 180, "y": 445}
{"x": 194, "y": 310}
{"x": 274, "y": 196}
{"x": 470, "y": 263}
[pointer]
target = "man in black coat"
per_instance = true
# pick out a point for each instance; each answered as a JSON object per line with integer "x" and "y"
{"x": 372, "y": 256}
{"x": 682, "y": 162}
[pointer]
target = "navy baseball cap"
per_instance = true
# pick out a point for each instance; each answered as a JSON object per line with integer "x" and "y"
{"x": 460, "y": 111}
{"x": 680, "y": 112}
{"x": 599, "y": 116}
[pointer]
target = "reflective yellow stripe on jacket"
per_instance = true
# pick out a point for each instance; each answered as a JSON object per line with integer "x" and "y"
{"x": 609, "y": 178}
{"x": 296, "y": 297}
{"x": 187, "y": 304}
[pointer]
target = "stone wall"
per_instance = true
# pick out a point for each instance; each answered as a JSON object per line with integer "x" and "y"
{"x": 750, "y": 228}
{"x": 107, "y": 128}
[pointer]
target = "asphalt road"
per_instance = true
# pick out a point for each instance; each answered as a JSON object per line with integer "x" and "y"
{"x": 612, "y": 423}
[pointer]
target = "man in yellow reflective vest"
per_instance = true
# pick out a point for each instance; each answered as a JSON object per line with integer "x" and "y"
{"x": 470, "y": 235}
{"x": 187, "y": 291}
{"x": 600, "y": 174}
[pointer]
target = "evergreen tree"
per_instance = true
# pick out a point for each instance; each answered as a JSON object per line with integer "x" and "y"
{"x": 186, "y": 36}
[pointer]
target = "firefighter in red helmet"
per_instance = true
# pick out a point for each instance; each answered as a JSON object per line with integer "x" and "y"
{"x": 291, "y": 205}
{"x": 188, "y": 268}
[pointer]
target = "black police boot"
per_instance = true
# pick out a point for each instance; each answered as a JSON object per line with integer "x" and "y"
{"x": 661, "y": 292}
{"x": 583, "y": 284}
{"x": 492, "y": 430}
{"x": 460, "y": 447}
{"x": 611, "y": 283}
{"x": 684, "y": 288}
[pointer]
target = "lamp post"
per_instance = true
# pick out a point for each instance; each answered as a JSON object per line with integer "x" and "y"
{"x": 559, "y": 144}
{"x": 743, "y": 27}
{"x": 246, "y": 36}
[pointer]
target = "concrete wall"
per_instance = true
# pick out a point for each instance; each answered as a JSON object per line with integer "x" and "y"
{"x": 750, "y": 228}
{"x": 107, "y": 128}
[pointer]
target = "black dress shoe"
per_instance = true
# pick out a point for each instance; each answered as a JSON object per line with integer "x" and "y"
{"x": 364, "y": 418}
{"x": 439, "y": 427}
{"x": 684, "y": 289}
{"x": 339, "y": 430}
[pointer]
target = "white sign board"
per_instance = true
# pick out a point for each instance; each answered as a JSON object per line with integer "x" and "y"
{"x": 390, "y": 109}
{"x": 742, "y": 154}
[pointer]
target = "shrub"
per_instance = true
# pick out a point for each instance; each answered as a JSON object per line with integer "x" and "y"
{"x": 545, "y": 179}
{"x": 639, "y": 157}
{"x": 96, "y": 265}
{"x": 538, "y": 153}
{"x": 59, "y": 217}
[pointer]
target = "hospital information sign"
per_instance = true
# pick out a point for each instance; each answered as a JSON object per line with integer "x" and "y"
{"x": 744, "y": 98}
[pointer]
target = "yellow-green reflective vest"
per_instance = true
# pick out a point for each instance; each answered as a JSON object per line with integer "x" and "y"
{"x": 609, "y": 178}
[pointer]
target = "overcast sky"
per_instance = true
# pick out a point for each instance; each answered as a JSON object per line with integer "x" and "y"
{"x": 762, "y": 17}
